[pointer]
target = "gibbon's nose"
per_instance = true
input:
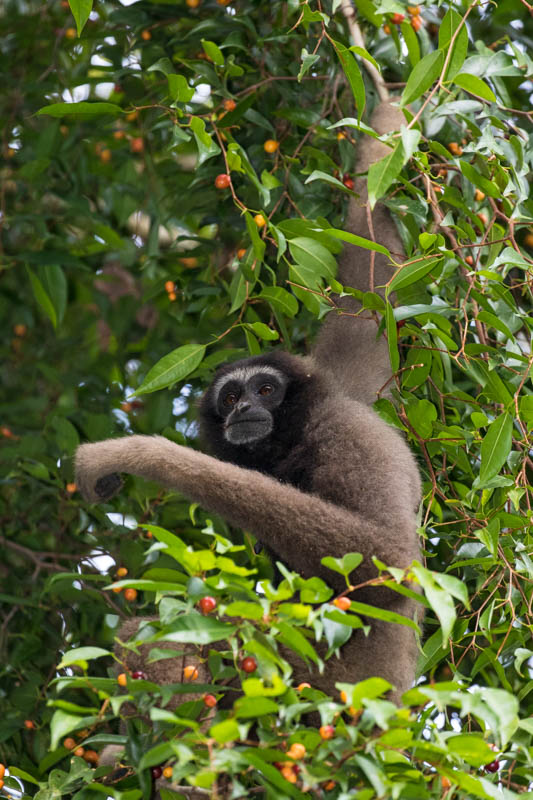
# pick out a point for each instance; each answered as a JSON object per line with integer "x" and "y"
{"x": 243, "y": 406}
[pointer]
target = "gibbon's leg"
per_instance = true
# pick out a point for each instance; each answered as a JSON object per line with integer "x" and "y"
{"x": 347, "y": 345}
{"x": 300, "y": 528}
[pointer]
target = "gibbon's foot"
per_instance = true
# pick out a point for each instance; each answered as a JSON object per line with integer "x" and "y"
{"x": 108, "y": 486}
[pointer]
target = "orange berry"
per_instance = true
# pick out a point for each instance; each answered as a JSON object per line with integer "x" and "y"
{"x": 222, "y": 181}
{"x": 117, "y": 589}
{"x": 2, "y": 770}
{"x": 193, "y": 3}
{"x": 71, "y": 488}
{"x": 479, "y": 195}
{"x": 271, "y": 145}
{"x": 6, "y": 432}
{"x": 29, "y": 724}
{"x": 149, "y": 534}
{"x": 122, "y": 679}
{"x": 413, "y": 10}
{"x": 303, "y": 686}
{"x": 397, "y": 18}
{"x": 469, "y": 260}
{"x": 416, "y": 23}
{"x": 167, "y": 773}
{"x": 341, "y": 136}
{"x": 132, "y": 116}
{"x": 260, "y": 221}
{"x": 223, "y": 2}
{"x": 445, "y": 782}
{"x": 482, "y": 218}
{"x": 130, "y": 595}
{"x": 209, "y": 700}
{"x": 189, "y": 262}
{"x": 348, "y": 181}
{"x": 79, "y": 751}
{"x": 20, "y": 329}
{"x": 454, "y": 148}
{"x": 70, "y": 33}
{"x": 121, "y": 572}
{"x": 288, "y": 774}
{"x": 296, "y": 751}
{"x": 386, "y": 29}
{"x": 172, "y": 296}
{"x": 528, "y": 239}
{"x": 106, "y": 156}
{"x": 1, "y": 783}
{"x": 229, "y": 104}
{"x": 169, "y": 286}
{"x": 327, "y": 731}
{"x": 119, "y": 135}
{"x": 343, "y": 603}
{"x": 146, "y": 35}
{"x": 91, "y": 756}
{"x": 190, "y": 673}
{"x": 329, "y": 785}
{"x": 137, "y": 144}
{"x": 241, "y": 253}
{"x": 344, "y": 697}
{"x": 69, "y": 743}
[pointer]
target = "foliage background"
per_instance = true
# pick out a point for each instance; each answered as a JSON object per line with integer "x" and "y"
{"x": 86, "y": 314}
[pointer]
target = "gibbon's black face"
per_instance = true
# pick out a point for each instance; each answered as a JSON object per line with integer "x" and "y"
{"x": 254, "y": 412}
{"x": 247, "y": 399}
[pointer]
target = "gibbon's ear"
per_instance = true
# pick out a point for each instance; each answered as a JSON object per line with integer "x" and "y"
{"x": 347, "y": 344}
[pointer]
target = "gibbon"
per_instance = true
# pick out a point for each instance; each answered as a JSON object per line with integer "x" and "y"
{"x": 299, "y": 458}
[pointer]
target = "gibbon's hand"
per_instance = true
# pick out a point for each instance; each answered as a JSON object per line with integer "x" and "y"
{"x": 94, "y": 483}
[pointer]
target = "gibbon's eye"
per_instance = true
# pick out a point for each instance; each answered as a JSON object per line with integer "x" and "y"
{"x": 265, "y": 389}
{"x": 230, "y": 399}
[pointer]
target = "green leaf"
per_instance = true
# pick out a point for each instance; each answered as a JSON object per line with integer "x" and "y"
{"x": 439, "y": 600}
{"x": 207, "y": 147}
{"x": 318, "y": 175}
{"x": 422, "y": 76}
{"x": 213, "y": 51}
{"x": 411, "y": 40}
{"x": 308, "y": 59}
{"x": 392, "y": 337}
{"x": 82, "y": 654}
{"x": 62, "y": 724}
{"x": 272, "y": 774}
{"x": 80, "y": 11}
{"x": 197, "y": 629}
{"x": 383, "y": 173}
{"x": 50, "y": 290}
{"x": 381, "y": 613}
{"x": 474, "y": 85}
{"x": 179, "y": 89}
{"x": 471, "y": 748}
{"x": 281, "y": 300}
{"x": 226, "y": 731}
{"x": 263, "y": 331}
{"x": 244, "y": 610}
{"x": 313, "y": 255}
{"x": 410, "y": 273}
{"x": 495, "y": 447}
{"x": 82, "y": 110}
{"x": 479, "y": 180}
{"x": 252, "y": 707}
{"x": 344, "y": 565}
{"x": 358, "y": 241}
{"x": 172, "y": 368}
{"x": 353, "y": 73}
{"x": 448, "y": 27}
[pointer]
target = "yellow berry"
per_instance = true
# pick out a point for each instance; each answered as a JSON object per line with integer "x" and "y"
{"x": 288, "y": 774}
{"x": 146, "y": 35}
{"x": 167, "y": 773}
{"x": 70, "y": 33}
{"x": 271, "y": 145}
{"x": 190, "y": 673}
{"x": 296, "y": 751}
{"x": 130, "y": 595}
{"x": 303, "y": 686}
{"x": 259, "y": 220}
{"x": 122, "y": 572}
{"x": 122, "y": 679}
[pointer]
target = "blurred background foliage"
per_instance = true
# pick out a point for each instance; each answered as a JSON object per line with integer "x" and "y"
{"x": 118, "y": 248}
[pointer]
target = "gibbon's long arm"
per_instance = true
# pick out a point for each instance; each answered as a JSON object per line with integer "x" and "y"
{"x": 347, "y": 345}
{"x": 300, "y": 528}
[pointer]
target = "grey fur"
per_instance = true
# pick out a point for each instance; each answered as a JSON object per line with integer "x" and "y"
{"x": 365, "y": 483}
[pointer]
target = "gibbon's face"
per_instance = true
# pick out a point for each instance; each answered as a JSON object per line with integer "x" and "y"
{"x": 247, "y": 400}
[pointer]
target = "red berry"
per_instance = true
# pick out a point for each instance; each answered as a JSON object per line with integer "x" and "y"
{"x": 156, "y": 772}
{"x": 222, "y": 181}
{"x": 210, "y": 700}
{"x": 327, "y": 732}
{"x": 348, "y": 181}
{"x": 207, "y": 604}
{"x": 397, "y": 18}
{"x": 249, "y": 664}
{"x": 494, "y": 766}
{"x": 139, "y": 675}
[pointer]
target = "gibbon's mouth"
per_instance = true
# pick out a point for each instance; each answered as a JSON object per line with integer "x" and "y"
{"x": 247, "y": 429}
